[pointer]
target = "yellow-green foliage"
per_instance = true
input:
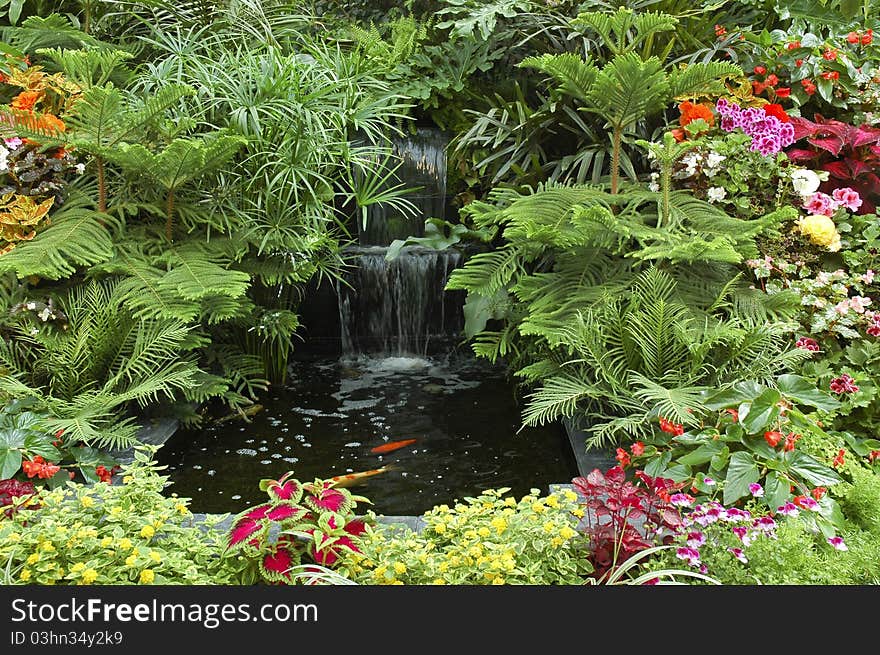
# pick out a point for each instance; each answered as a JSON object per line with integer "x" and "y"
{"x": 103, "y": 534}
{"x": 491, "y": 539}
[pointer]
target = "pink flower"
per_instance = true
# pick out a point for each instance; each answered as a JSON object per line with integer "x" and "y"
{"x": 837, "y": 542}
{"x": 696, "y": 539}
{"x": 858, "y": 304}
{"x": 681, "y": 500}
{"x": 842, "y": 307}
{"x": 691, "y": 555}
{"x": 806, "y": 343}
{"x": 709, "y": 482}
{"x": 843, "y": 384}
{"x": 764, "y": 524}
{"x": 742, "y": 533}
{"x": 12, "y": 143}
{"x": 805, "y": 502}
{"x": 848, "y": 198}
{"x": 756, "y": 490}
{"x": 868, "y": 277}
{"x": 788, "y": 509}
{"x": 738, "y": 553}
{"x": 820, "y": 203}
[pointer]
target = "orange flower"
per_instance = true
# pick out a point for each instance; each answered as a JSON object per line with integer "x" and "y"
{"x": 693, "y": 111}
{"x": 838, "y": 460}
{"x": 50, "y": 123}
{"x": 26, "y": 100}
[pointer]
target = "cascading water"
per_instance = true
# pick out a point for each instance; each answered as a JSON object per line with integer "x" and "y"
{"x": 400, "y": 306}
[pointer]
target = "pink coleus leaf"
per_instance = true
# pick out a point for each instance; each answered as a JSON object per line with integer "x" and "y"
{"x": 242, "y": 530}
{"x": 281, "y": 512}
{"x": 276, "y": 565}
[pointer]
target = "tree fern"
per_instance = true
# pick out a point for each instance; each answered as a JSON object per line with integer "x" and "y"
{"x": 626, "y": 30}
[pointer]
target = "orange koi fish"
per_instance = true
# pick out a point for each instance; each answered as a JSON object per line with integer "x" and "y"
{"x": 394, "y": 445}
{"x": 355, "y": 478}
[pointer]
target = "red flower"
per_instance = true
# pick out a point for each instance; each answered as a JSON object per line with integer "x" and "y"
{"x": 798, "y": 63}
{"x": 838, "y": 459}
{"x": 720, "y": 30}
{"x": 783, "y": 92}
{"x": 830, "y": 75}
{"x": 103, "y": 474}
{"x": 868, "y": 37}
{"x": 678, "y": 134}
{"x": 734, "y": 414}
{"x": 26, "y": 100}
{"x": 873, "y": 455}
{"x": 853, "y": 37}
{"x": 790, "y": 440}
{"x": 40, "y": 468}
{"x": 818, "y": 492}
{"x": 760, "y": 70}
{"x": 758, "y": 87}
{"x": 777, "y": 111}
{"x": 792, "y": 45}
{"x": 693, "y": 111}
{"x": 772, "y": 80}
{"x": 773, "y": 438}
{"x": 829, "y": 54}
{"x": 623, "y": 457}
{"x": 638, "y": 448}
{"x": 843, "y": 384}
{"x": 670, "y": 427}
{"x": 806, "y": 343}
{"x": 809, "y": 87}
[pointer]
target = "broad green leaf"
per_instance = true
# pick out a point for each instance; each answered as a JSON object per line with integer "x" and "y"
{"x": 830, "y": 510}
{"x": 13, "y": 438}
{"x": 657, "y": 466}
{"x": 803, "y": 391}
{"x": 40, "y": 444}
{"x": 719, "y": 461}
{"x": 759, "y": 446}
{"x": 678, "y": 473}
{"x": 58, "y": 480}
{"x": 757, "y": 415}
{"x": 10, "y": 462}
{"x": 735, "y": 395}
{"x": 776, "y": 490}
{"x": 741, "y": 472}
{"x": 702, "y": 454}
{"x": 812, "y": 471}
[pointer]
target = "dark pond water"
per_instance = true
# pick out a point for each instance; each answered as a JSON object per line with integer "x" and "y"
{"x": 462, "y": 413}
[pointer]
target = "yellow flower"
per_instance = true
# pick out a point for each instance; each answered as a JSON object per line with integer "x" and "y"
{"x": 476, "y": 550}
{"x": 578, "y": 512}
{"x": 556, "y": 542}
{"x": 48, "y": 547}
{"x": 549, "y": 526}
{"x": 127, "y": 479}
{"x": 147, "y": 531}
{"x": 510, "y": 501}
{"x": 499, "y": 524}
{"x": 147, "y": 576}
{"x": 25, "y": 575}
{"x": 76, "y": 568}
{"x": 106, "y": 542}
{"x": 439, "y": 581}
{"x": 443, "y": 567}
{"x": 552, "y": 501}
{"x": 820, "y": 230}
{"x": 125, "y": 543}
{"x": 483, "y": 531}
{"x": 570, "y": 496}
{"x": 181, "y": 508}
{"x": 395, "y": 582}
{"x": 89, "y": 576}
{"x": 130, "y": 560}
{"x": 379, "y": 571}
{"x": 33, "y": 559}
{"x": 440, "y": 528}
{"x": 537, "y": 508}
{"x": 158, "y": 524}
{"x": 567, "y": 532}
{"x": 87, "y": 501}
{"x": 498, "y": 580}
{"x": 399, "y": 568}
{"x": 156, "y": 557}
{"x": 116, "y": 510}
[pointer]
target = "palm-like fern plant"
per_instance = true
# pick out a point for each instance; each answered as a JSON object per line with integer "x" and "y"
{"x": 645, "y": 353}
{"x": 102, "y": 361}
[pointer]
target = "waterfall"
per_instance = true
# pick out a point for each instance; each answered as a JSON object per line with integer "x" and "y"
{"x": 398, "y": 307}
{"x": 422, "y": 158}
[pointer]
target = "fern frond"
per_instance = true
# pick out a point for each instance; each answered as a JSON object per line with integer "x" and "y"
{"x": 573, "y": 75}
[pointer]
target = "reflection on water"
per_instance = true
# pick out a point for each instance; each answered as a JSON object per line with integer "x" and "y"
{"x": 324, "y": 422}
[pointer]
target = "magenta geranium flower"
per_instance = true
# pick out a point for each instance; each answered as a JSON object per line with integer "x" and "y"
{"x": 709, "y": 482}
{"x": 807, "y": 343}
{"x": 739, "y": 554}
{"x": 695, "y": 539}
{"x": 837, "y": 542}
{"x": 690, "y": 555}
{"x": 742, "y": 533}
{"x": 681, "y": 500}
{"x": 764, "y": 524}
{"x": 756, "y": 490}
{"x": 848, "y": 198}
{"x": 843, "y": 384}
{"x": 788, "y": 509}
{"x": 820, "y": 203}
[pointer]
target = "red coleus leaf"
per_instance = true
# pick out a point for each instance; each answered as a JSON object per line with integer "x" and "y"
{"x": 276, "y": 565}
{"x": 356, "y": 527}
{"x": 615, "y": 475}
{"x": 288, "y": 490}
{"x": 281, "y": 512}
{"x": 258, "y": 512}
{"x": 242, "y": 530}
{"x": 863, "y": 135}
{"x": 331, "y": 500}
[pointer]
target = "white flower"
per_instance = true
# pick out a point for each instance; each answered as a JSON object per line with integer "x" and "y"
{"x": 713, "y": 159}
{"x": 716, "y": 194}
{"x": 80, "y": 169}
{"x": 4, "y": 159}
{"x": 805, "y": 182}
